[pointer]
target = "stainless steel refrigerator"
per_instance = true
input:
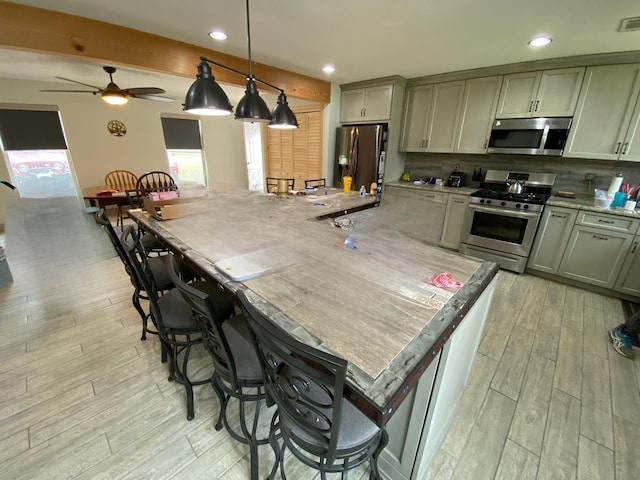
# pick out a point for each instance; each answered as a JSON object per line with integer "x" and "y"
{"x": 360, "y": 152}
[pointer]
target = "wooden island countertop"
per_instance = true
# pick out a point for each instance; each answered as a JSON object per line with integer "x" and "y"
{"x": 372, "y": 305}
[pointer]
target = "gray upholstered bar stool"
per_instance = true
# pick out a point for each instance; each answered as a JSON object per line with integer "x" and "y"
{"x": 237, "y": 373}
{"x": 314, "y": 421}
{"x": 172, "y": 315}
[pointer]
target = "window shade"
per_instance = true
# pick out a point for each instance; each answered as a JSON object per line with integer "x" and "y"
{"x": 181, "y": 133}
{"x": 31, "y": 130}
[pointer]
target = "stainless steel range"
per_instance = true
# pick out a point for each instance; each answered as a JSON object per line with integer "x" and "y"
{"x": 502, "y": 218}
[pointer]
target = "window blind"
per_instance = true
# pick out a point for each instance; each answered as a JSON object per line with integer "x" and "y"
{"x": 181, "y": 133}
{"x": 31, "y": 130}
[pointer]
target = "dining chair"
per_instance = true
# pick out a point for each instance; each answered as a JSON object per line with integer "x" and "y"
{"x": 172, "y": 316}
{"x": 272, "y": 183}
{"x": 314, "y": 420}
{"x": 120, "y": 180}
{"x": 237, "y": 373}
{"x": 316, "y": 182}
{"x": 157, "y": 181}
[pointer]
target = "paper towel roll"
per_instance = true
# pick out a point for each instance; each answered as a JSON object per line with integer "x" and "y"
{"x": 614, "y": 186}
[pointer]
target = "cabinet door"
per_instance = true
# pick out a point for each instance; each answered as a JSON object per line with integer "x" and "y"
{"x": 453, "y": 220}
{"x": 604, "y": 112}
{"x": 352, "y": 105}
{"x": 478, "y": 111}
{"x": 558, "y": 92}
{"x": 447, "y": 100}
{"x": 580, "y": 261}
{"x": 377, "y": 103}
{"x": 629, "y": 280}
{"x": 417, "y": 110}
{"x": 518, "y": 95}
{"x": 630, "y": 150}
{"x": 551, "y": 240}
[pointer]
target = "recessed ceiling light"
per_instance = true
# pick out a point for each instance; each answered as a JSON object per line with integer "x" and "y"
{"x": 218, "y": 35}
{"x": 328, "y": 69}
{"x": 540, "y": 41}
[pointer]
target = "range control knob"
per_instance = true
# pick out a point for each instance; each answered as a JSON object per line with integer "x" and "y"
{"x": 518, "y": 205}
{"x": 526, "y": 207}
{"x": 488, "y": 202}
{"x": 503, "y": 203}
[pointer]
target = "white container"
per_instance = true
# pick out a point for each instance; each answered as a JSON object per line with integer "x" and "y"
{"x": 630, "y": 205}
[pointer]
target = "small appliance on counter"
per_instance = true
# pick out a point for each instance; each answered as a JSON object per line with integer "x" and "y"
{"x": 456, "y": 179}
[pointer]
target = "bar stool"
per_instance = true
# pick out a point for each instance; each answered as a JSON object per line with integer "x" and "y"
{"x": 172, "y": 316}
{"x": 314, "y": 421}
{"x": 237, "y": 373}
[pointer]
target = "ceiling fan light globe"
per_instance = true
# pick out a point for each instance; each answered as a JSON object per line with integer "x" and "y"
{"x": 251, "y": 107}
{"x": 114, "y": 98}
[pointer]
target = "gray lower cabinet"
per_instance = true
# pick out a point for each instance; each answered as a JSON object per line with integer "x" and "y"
{"x": 417, "y": 213}
{"x": 454, "y": 218}
{"x": 629, "y": 278}
{"x": 595, "y": 255}
{"x": 552, "y": 237}
{"x": 417, "y": 429}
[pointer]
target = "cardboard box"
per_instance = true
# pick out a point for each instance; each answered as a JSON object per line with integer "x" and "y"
{"x": 168, "y": 209}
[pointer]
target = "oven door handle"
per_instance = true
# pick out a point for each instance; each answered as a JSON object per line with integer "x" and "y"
{"x": 505, "y": 212}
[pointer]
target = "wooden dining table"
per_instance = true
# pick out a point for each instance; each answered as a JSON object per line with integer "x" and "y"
{"x": 101, "y": 197}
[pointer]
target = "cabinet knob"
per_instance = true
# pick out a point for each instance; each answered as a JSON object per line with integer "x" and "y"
{"x": 617, "y": 150}
{"x": 635, "y": 246}
{"x": 624, "y": 148}
{"x": 558, "y": 216}
{"x": 609, "y": 222}
{"x": 536, "y": 108}
{"x": 530, "y": 107}
{"x": 598, "y": 237}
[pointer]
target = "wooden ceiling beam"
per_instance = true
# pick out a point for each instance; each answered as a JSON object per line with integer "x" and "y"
{"x": 45, "y": 31}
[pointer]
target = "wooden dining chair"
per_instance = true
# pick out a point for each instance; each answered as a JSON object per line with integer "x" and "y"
{"x": 157, "y": 181}
{"x": 315, "y": 182}
{"x": 120, "y": 180}
{"x": 272, "y": 183}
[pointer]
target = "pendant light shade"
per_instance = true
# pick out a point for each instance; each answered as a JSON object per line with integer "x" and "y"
{"x": 205, "y": 96}
{"x": 251, "y": 107}
{"x": 282, "y": 116}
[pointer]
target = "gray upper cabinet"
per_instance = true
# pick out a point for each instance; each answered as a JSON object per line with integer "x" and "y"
{"x": 369, "y": 104}
{"x": 550, "y": 93}
{"x": 431, "y": 116}
{"x": 476, "y": 117}
{"x": 607, "y": 120}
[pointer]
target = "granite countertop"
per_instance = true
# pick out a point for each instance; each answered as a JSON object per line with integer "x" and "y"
{"x": 325, "y": 293}
{"x": 587, "y": 204}
{"x": 427, "y": 187}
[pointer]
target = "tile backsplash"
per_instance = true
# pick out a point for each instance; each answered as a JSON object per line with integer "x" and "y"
{"x": 570, "y": 172}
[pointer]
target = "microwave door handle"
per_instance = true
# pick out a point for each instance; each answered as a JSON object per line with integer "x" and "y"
{"x": 545, "y": 134}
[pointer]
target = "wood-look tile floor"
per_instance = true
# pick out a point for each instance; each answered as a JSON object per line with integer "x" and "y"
{"x": 81, "y": 397}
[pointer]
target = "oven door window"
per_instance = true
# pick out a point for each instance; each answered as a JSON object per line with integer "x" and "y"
{"x": 499, "y": 227}
{"x": 525, "y": 138}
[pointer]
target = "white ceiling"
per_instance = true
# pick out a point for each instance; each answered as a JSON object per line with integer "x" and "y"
{"x": 363, "y": 39}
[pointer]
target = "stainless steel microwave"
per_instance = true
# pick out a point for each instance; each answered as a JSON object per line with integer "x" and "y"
{"x": 529, "y": 136}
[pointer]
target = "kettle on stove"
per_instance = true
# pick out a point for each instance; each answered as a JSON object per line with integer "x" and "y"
{"x": 515, "y": 187}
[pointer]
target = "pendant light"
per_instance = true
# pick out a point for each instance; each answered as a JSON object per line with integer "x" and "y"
{"x": 206, "y": 97}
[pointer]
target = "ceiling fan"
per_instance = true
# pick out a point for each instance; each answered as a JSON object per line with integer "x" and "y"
{"x": 115, "y": 95}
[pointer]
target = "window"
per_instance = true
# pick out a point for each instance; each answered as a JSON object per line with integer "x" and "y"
{"x": 36, "y": 152}
{"x": 184, "y": 151}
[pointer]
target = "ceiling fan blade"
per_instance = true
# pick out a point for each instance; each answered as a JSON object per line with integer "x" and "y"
{"x": 143, "y": 91}
{"x": 80, "y": 83}
{"x": 71, "y": 91}
{"x": 157, "y": 98}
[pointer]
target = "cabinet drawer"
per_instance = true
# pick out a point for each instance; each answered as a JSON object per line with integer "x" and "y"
{"x": 610, "y": 222}
{"x": 418, "y": 194}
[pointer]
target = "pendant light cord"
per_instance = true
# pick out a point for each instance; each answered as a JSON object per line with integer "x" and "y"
{"x": 249, "y": 41}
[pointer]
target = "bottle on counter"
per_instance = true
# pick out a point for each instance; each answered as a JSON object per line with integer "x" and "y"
{"x": 363, "y": 192}
{"x": 373, "y": 188}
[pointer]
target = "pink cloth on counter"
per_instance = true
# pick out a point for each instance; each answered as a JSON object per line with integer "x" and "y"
{"x": 444, "y": 279}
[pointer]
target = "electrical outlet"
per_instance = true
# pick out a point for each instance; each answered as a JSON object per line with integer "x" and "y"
{"x": 589, "y": 177}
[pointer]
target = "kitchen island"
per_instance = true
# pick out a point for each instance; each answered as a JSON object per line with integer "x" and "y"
{"x": 353, "y": 286}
